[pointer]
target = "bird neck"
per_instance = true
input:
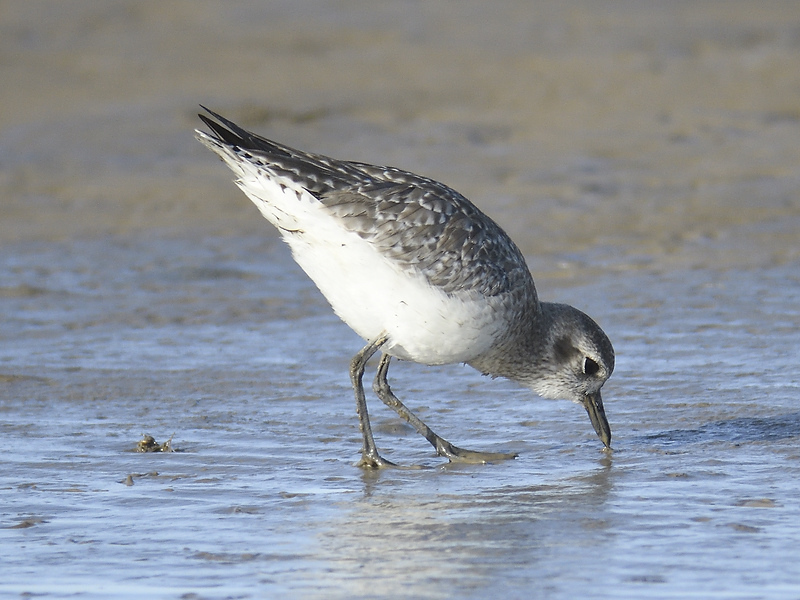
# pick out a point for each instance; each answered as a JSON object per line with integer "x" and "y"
{"x": 519, "y": 353}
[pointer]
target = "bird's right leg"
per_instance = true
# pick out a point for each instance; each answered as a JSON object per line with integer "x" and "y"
{"x": 369, "y": 454}
{"x": 443, "y": 447}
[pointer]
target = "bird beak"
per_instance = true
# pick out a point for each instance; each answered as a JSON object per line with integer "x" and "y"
{"x": 593, "y": 404}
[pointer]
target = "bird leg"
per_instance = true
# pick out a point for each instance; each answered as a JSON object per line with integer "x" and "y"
{"x": 369, "y": 454}
{"x": 442, "y": 446}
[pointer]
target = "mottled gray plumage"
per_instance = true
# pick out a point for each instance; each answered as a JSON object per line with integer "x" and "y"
{"x": 418, "y": 222}
{"x": 448, "y": 260}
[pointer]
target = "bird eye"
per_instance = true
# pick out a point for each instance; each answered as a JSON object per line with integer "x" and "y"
{"x": 590, "y": 367}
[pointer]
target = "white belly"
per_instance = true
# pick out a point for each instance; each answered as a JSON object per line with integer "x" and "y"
{"x": 373, "y": 295}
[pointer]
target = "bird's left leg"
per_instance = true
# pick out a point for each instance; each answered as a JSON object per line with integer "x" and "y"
{"x": 369, "y": 453}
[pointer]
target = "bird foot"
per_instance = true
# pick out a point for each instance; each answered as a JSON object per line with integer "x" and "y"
{"x": 374, "y": 461}
{"x": 461, "y": 455}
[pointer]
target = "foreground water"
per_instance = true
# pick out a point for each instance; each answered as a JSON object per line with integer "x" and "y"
{"x": 232, "y": 353}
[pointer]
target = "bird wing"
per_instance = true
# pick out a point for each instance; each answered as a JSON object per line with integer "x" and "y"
{"x": 420, "y": 224}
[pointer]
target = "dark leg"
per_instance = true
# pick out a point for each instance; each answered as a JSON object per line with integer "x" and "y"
{"x": 369, "y": 454}
{"x": 443, "y": 447}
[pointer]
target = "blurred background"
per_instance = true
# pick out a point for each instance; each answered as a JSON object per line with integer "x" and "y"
{"x": 655, "y": 132}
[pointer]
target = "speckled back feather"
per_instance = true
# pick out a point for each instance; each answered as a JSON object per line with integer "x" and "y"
{"x": 415, "y": 221}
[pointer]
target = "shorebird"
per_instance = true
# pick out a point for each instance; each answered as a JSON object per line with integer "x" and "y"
{"x": 421, "y": 274}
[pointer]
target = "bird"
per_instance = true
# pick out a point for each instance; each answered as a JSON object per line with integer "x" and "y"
{"x": 421, "y": 274}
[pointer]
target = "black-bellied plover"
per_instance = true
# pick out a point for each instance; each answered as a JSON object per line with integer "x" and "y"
{"x": 421, "y": 274}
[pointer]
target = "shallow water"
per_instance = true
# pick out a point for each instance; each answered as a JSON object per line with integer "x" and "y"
{"x": 643, "y": 157}
{"x": 233, "y": 353}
